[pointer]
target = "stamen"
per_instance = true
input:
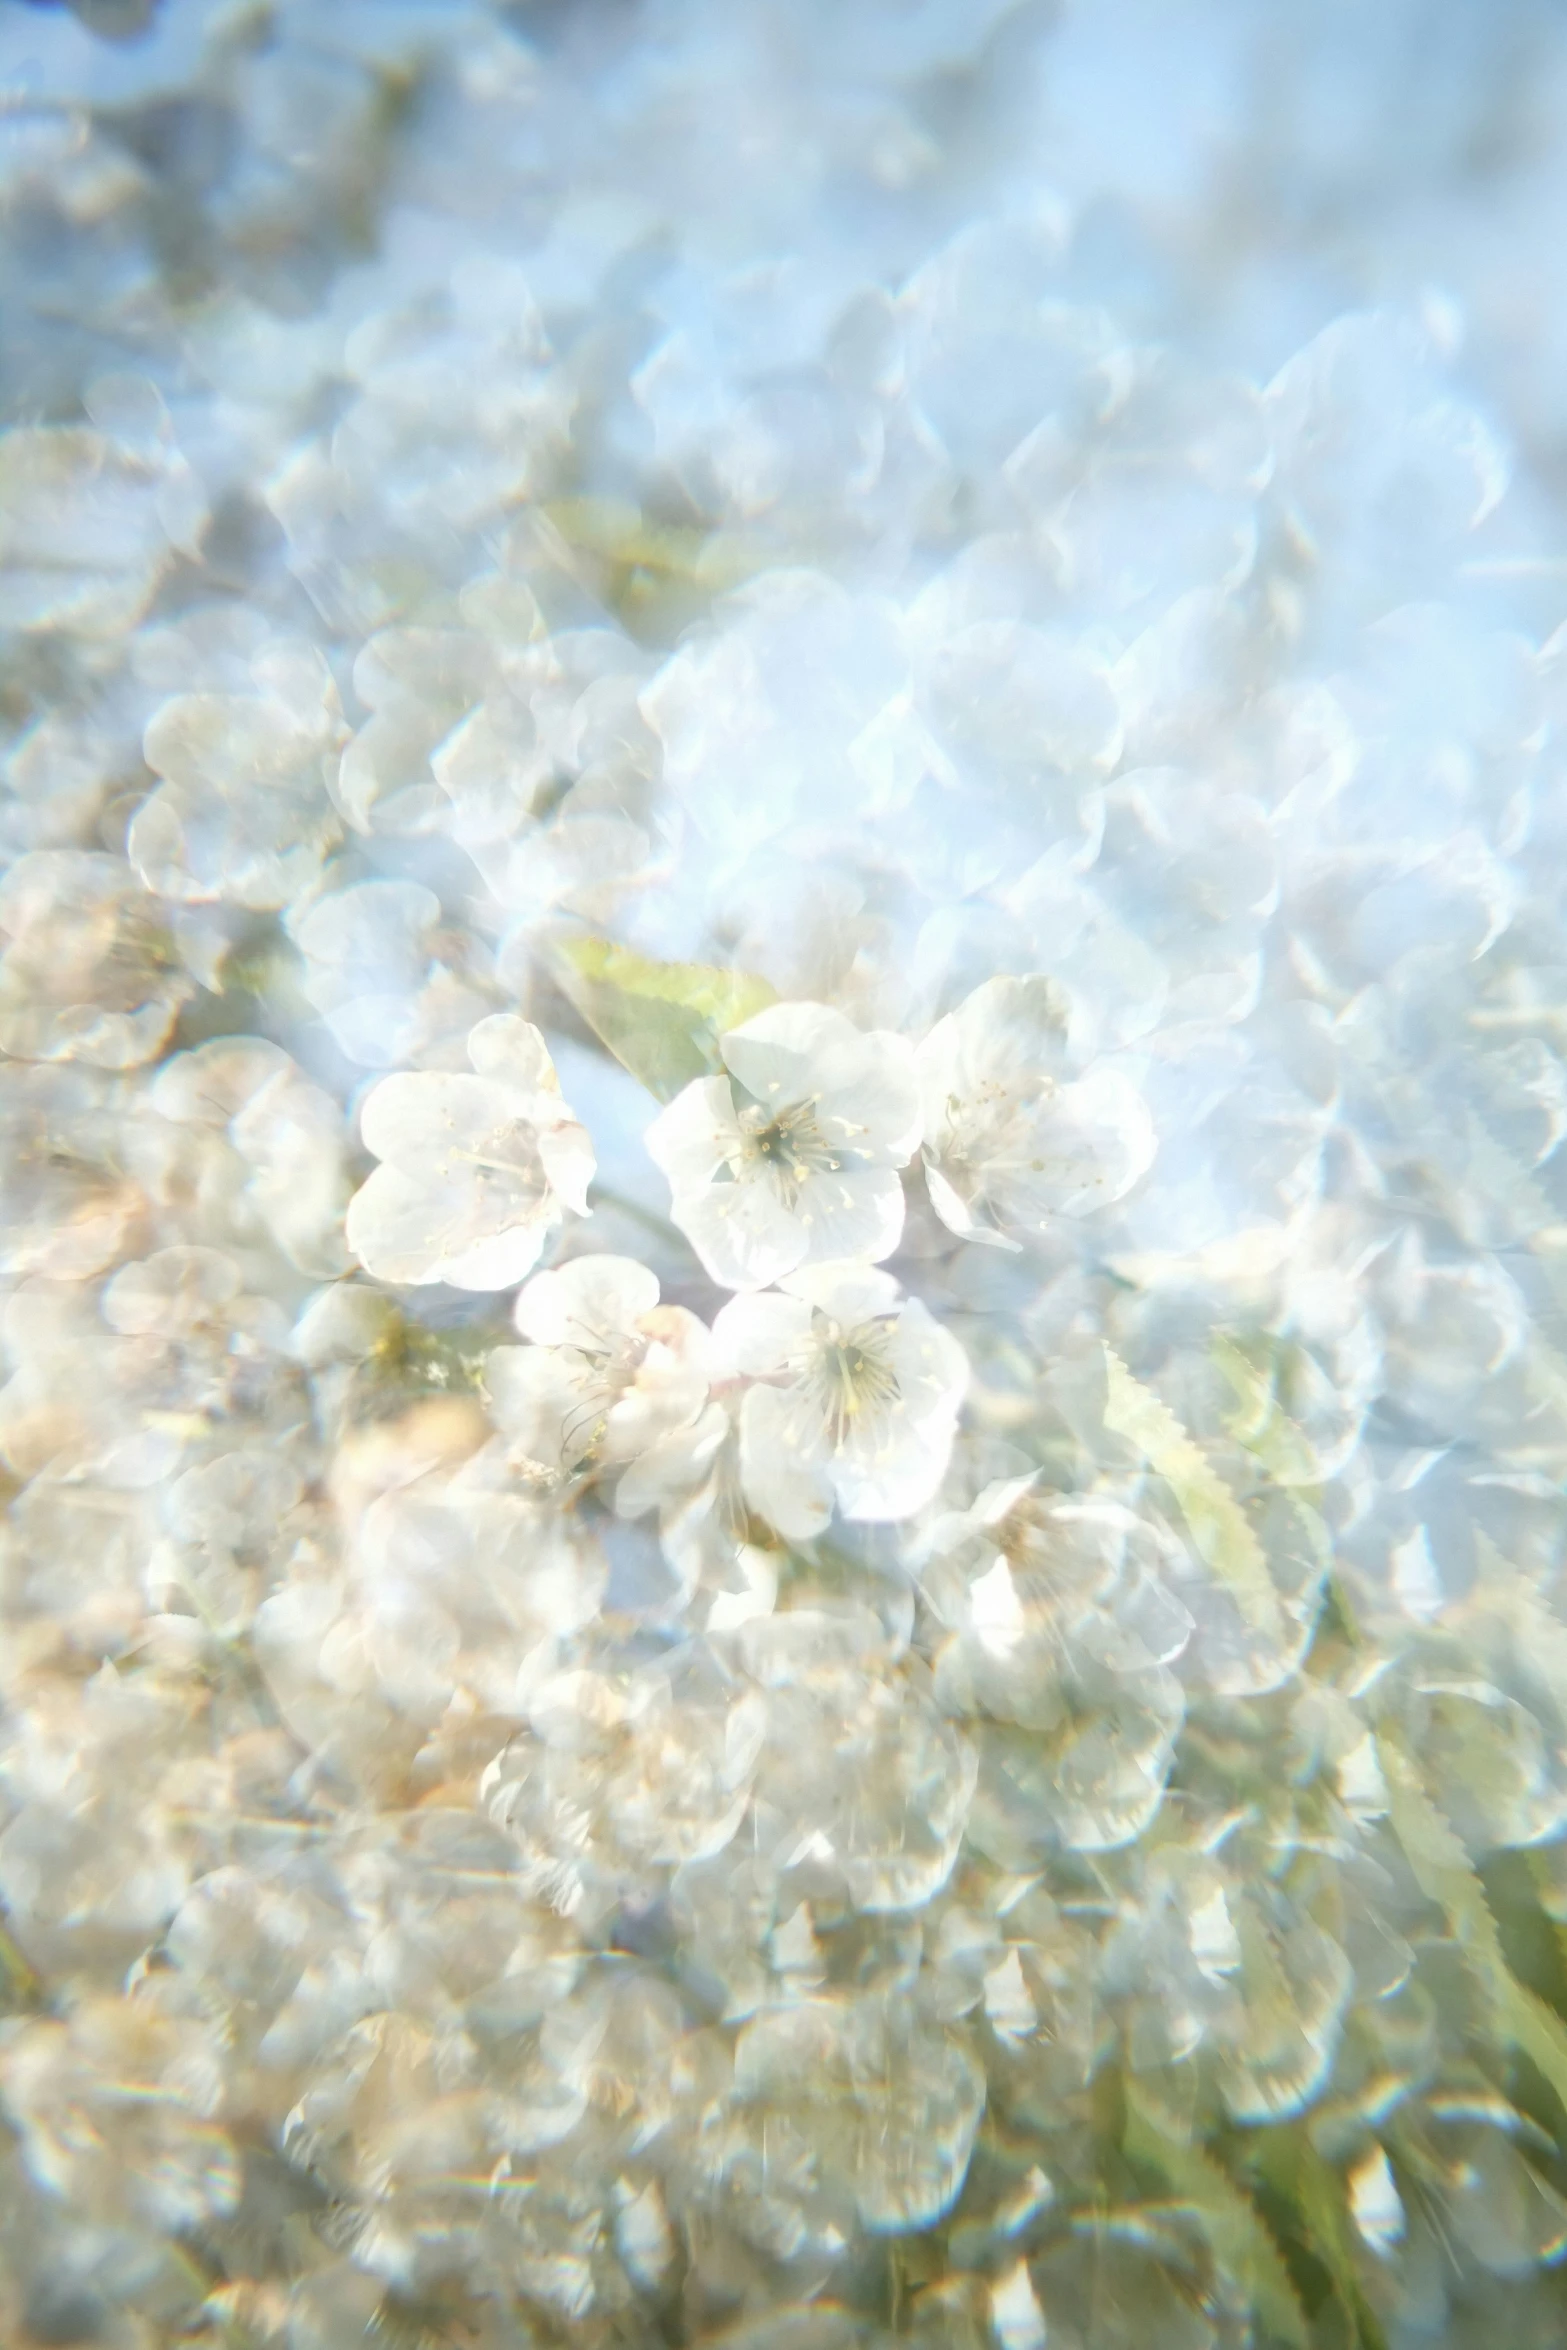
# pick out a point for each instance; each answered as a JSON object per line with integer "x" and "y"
{"x": 789, "y": 1143}
{"x": 851, "y": 1376}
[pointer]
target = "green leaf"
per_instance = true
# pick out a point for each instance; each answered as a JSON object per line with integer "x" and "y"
{"x": 1442, "y": 1868}
{"x": 1259, "y": 1422}
{"x": 1537, "y": 2032}
{"x": 1316, "y": 2198}
{"x": 1232, "y": 2223}
{"x": 1515, "y": 1601}
{"x": 1215, "y": 1520}
{"x": 20, "y": 1984}
{"x": 1447, "y": 1877}
{"x": 1323, "y": 2203}
{"x": 662, "y": 1021}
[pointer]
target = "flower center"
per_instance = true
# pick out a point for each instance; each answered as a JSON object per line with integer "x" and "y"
{"x": 989, "y": 1126}
{"x": 785, "y": 1143}
{"x": 509, "y": 1160}
{"x": 601, "y": 1366}
{"x": 850, "y": 1374}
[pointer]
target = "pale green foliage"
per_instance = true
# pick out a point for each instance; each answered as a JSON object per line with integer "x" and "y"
{"x": 1447, "y": 1877}
{"x": 1213, "y": 1516}
{"x": 662, "y": 1021}
{"x": 1239, "y": 2236}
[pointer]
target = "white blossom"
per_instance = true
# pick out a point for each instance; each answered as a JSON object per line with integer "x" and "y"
{"x": 116, "y": 2109}
{"x": 447, "y": 1591}
{"x": 791, "y": 1157}
{"x": 803, "y": 689}
{"x": 1056, "y": 1618}
{"x": 95, "y": 1852}
{"x": 842, "y": 2106}
{"x": 864, "y": 1785}
{"x": 852, "y": 1400}
{"x": 1013, "y": 1138}
{"x": 90, "y": 970}
{"x": 476, "y": 1171}
{"x": 456, "y": 412}
{"x": 91, "y": 519}
{"x": 665, "y": 1753}
{"x": 242, "y": 813}
{"x": 68, "y": 1203}
{"x": 613, "y": 1385}
{"x": 471, "y": 728}
{"x": 522, "y": 1813}
{"x": 373, "y": 968}
{"x": 419, "y": 684}
{"x": 230, "y": 1524}
{"x": 275, "y": 1147}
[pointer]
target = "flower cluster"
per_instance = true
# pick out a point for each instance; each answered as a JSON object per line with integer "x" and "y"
{"x": 783, "y": 1060}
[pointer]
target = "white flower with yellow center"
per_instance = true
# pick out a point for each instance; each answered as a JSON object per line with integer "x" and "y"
{"x": 1013, "y": 1139}
{"x": 853, "y": 1400}
{"x": 791, "y": 1158}
{"x": 614, "y": 1384}
{"x": 476, "y": 1171}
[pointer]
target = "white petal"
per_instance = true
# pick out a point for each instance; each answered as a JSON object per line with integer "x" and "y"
{"x": 696, "y": 1136}
{"x": 744, "y": 1234}
{"x": 931, "y": 1368}
{"x": 1010, "y": 2007}
{"x": 566, "y": 1155}
{"x": 533, "y": 1400}
{"x": 997, "y": 1501}
{"x": 372, "y": 939}
{"x": 665, "y": 1396}
{"x": 870, "y": 1096}
{"x": 496, "y": 1260}
{"x": 995, "y": 1611}
{"x": 849, "y": 1291}
{"x": 680, "y": 1344}
{"x": 375, "y": 1030}
{"x": 858, "y": 1213}
{"x": 956, "y": 1214}
{"x": 392, "y": 1227}
{"x": 674, "y": 1467}
{"x": 889, "y": 1465}
{"x": 938, "y": 1060}
{"x": 586, "y": 1302}
{"x": 776, "y": 1054}
{"x": 1087, "y": 1149}
{"x": 1375, "y": 2201}
{"x": 755, "y": 1336}
{"x": 512, "y": 1051}
{"x": 420, "y": 1117}
{"x": 1016, "y": 2319}
{"x": 1210, "y": 1930}
{"x": 1009, "y": 1033}
{"x": 784, "y": 1478}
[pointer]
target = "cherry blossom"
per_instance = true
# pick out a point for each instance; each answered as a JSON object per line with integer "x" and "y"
{"x": 91, "y": 520}
{"x": 611, "y": 1735}
{"x": 852, "y": 1399}
{"x": 476, "y": 1171}
{"x": 90, "y": 970}
{"x": 790, "y": 1158}
{"x": 1013, "y": 1138}
{"x": 239, "y": 814}
{"x": 613, "y": 1384}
